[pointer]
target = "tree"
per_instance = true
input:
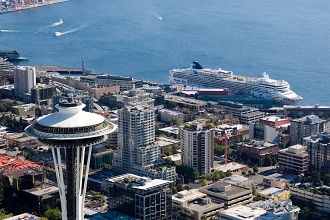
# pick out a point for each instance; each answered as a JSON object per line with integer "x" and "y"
{"x": 326, "y": 179}
{"x": 53, "y": 214}
{"x": 168, "y": 160}
{"x": 316, "y": 177}
{"x": 210, "y": 125}
{"x": 203, "y": 217}
{"x": 205, "y": 183}
{"x": 250, "y": 172}
{"x": 186, "y": 187}
{"x": 306, "y": 213}
{"x": 255, "y": 169}
{"x": 228, "y": 173}
{"x": 3, "y": 214}
{"x": 180, "y": 187}
{"x": 268, "y": 161}
{"x": 254, "y": 191}
{"x": 243, "y": 172}
{"x": 175, "y": 121}
{"x": 174, "y": 190}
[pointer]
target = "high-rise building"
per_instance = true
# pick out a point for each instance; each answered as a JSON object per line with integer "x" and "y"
{"x": 138, "y": 152}
{"x": 24, "y": 80}
{"x": 197, "y": 145}
{"x": 72, "y": 129}
{"x": 318, "y": 147}
{"x": 304, "y": 127}
{"x": 41, "y": 93}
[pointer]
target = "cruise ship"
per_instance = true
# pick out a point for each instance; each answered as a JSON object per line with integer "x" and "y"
{"x": 198, "y": 77}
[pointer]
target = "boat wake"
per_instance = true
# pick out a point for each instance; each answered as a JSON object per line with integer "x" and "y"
{"x": 9, "y": 31}
{"x": 57, "y": 33}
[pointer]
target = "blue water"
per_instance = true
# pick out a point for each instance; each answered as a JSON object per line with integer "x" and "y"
{"x": 289, "y": 40}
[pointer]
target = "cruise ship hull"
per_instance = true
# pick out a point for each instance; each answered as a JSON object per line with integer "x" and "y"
{"x": 197, "y": 77}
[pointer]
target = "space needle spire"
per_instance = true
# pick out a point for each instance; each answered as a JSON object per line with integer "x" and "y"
{"x": 73, "y": 130}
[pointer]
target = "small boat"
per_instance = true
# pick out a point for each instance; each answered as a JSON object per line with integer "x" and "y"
{"x": 56, "y": 34}
{"x": 60, "y": 21}
{"x": 160, "y": 18}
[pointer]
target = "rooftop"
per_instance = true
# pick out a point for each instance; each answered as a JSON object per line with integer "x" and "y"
{"x": 45, "y": 189}
{"x": 188, "y": 195}
{"x": 229, "y": 166}
{"x": 12, "y": 164}
{"x": 262, "y": 210}
{"x": 223, "y": 189}
{"x": 24, "y": 216}
{"x": 272, "y": 191}
{"x": 138, "y": 182}
{"x": 296, "y": 149}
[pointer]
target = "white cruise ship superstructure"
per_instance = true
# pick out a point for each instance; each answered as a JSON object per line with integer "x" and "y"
{"x": 197, "y": 77}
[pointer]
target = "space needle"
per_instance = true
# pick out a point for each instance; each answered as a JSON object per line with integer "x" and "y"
{"x": 72, "y": 129}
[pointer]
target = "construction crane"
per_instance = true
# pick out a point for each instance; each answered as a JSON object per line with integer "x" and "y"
{"x": 225, "y": 138}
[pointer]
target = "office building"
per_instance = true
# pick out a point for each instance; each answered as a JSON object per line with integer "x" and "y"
{"x": 294, "y": 159}
{"x": 304, "y": 127}
{"x": 138, "y": 153}
{"x": 197, "y": 146}
{"x": 24, "y": 80}
{"x": 318, "y": 147}
{"x": 229, "y": 194}
{"x": 192, "y": 204}
{"x": 268, "y": 128}
{"x": 140, "y": 197}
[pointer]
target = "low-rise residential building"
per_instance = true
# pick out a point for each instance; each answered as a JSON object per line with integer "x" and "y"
{"x": 140, "y": 197}
{"x": 230, "y": 195}
{"x": 262, "y": 210}
{"x": 257, "y": 150}
{"x": 319, "y": 196}
{"x": 192, "y": 204}
{"x": 274, "y": 193}
{"x": 294, "y": 159}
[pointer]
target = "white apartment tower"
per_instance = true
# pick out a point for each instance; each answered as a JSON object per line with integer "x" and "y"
{"x": 138, "y": 152}
{"x": 24, "y": 80}
{"x": 197, "y": 145}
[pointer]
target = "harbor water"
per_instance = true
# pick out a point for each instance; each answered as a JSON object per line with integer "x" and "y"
{"x": 287, "y": 39}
